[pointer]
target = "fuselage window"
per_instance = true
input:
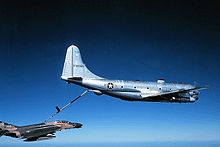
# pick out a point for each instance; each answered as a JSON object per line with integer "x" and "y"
{"x": 159, "y": 88}
{"x": 170, "y": 89}
{"x": 121, "y": 86}
{"x": 147, "y": 87}
{"x": 134, "y": 87}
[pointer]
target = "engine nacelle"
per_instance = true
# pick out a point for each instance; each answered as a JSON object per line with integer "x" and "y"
{"x": 194, "y": 93}
{"x": 185, "y": 100}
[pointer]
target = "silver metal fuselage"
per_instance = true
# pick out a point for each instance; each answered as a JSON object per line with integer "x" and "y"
{"x": 137, "y": 90}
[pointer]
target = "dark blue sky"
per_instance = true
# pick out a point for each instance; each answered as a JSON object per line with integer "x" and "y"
{"x": 119, "y": 40}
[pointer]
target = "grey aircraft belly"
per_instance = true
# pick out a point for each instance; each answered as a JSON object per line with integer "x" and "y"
{"x": 36, "y": 132}
{"x": 75, "y": 71}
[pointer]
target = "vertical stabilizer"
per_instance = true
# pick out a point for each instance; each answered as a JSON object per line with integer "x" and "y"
{"x": 74, "y": 66}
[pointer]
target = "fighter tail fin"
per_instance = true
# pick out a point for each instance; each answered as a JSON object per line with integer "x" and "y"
{"x": 74, "y": 66}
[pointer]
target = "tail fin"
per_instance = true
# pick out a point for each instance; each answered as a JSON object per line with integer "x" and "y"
{"x": 74, "y": 66}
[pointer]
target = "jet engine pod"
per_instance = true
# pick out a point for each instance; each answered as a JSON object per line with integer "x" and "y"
{"x": 194, "y": 93}
{"x": 186, "y": 100}
{"x": 97, "y": 92}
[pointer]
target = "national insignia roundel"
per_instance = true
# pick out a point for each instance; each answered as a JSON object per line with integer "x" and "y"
{"x": 110, "y": 85}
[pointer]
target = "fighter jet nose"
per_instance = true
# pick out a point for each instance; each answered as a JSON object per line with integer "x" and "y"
{"x": 78, "y": 125}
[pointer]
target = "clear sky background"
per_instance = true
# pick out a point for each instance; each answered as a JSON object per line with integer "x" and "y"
{"x": 177, "y": 41}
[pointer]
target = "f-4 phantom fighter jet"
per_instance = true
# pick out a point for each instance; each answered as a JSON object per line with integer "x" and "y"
{"x": 36, "y": 132}
{"x": 75, "y": 71}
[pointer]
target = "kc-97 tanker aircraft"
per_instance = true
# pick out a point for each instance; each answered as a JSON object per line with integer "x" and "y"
{"x": 75, "y": 71}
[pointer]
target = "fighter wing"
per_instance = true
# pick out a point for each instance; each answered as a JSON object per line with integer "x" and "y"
{"x": 45, "y": 132}
{"x": 174, "y": 92}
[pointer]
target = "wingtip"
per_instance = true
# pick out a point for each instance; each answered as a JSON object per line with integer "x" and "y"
{"x": 203, "y": 87}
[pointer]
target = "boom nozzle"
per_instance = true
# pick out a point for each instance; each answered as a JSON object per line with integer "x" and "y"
{"x": 58, "y": 109}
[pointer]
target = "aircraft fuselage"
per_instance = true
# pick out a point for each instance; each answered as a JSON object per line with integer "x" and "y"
{"x": 138, "y": 90}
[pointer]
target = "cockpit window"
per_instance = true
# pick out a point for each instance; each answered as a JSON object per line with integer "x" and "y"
{"x": 63, "y": 121}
